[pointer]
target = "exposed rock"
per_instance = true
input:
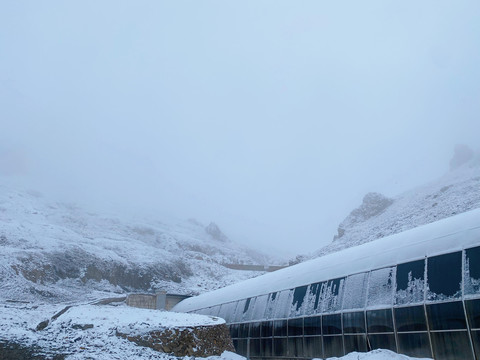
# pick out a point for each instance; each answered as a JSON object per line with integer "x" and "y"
{"x": 373, "y": 204}
{"x": 214, "y": 231}
{"x": 82, "y": 327}
{"x": 42, "y": 325}
{"x": 200, "y": 341}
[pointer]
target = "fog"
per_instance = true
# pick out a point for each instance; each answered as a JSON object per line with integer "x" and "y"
{"x": 271, "y": 118}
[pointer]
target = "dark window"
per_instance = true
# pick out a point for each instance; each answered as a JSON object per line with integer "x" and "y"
{"x": 446, "y": 316}
{"x": 414, "y": 344}
{"x": 355, "y": 291}
{"x": 295, "y": 327}
{"x": 355, "y": 343}
{"x": 331, "y": 324}
{"x": 247, "y": 305}
{"x": 476, "y": 342}
{"x": 472, "y": 271}
{"x": 314, "y": 296}
{"x": 353, "y": 323}
{"x": 279, "y": 346}
{"x": 333, "y": 346}
{"x": 266, "y": 347}
{"x": 410, "y": 282}
{"x": 410, "y": 318}
{"x": 295, "y": 347}
{"x": 243, "y": 330}
{"x": 255, "y": 330}
{"x": 267, "y": 329}
{"x": 241, "y": 347}
{"x": 298, "y": 297}
{"x": 313, "y": 347}
{"x": 234, "y": 331}
{"x": 280, "y": 328}
{"x": 379, "y": 321}
{"x": 255, "y": 347}
{"x": 444, "y": 276}
{"x": 381, "y": 341}
{"x": 312, "y": 325}
{"x": 451, "y": 345}
{"x": 473, "y": 313}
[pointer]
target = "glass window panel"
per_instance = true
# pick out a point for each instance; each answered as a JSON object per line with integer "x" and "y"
{"x": 313, "y": 295}
{"x": 298, "y": 301}
{"x": 355, "y": 291}
{"x": 312, "y": 325}
{"x": 282, "y": 305}
{"x": 233, "y": 331}
{"x": 239, "y": 311}
{"x": 332, "y": 295}
{"x": 248, "y": 309}
{"x": 380, "y": 287}
{"x": 331, "y": 324}
{"x": 295, "y": 347}
{"x": 356, "y": 343}
{"x": 410, "y": 318}
{"x": 295, "y": 327}
{"x": 410, "y": 283}
{"x": 241, "y": 347}
{"x": 213, "y": 310}
{"x": 473, "y": 313}
{"x": 333, "y": 346}
{"x": 243, "y": 330}
{"x": 353, "y": 323}
{"x": 227, "y": 311}
{"x": 446, "y": 316}
{"x": 279, "y": 346}
{"x": 379, "y": 321}
{"x": 270, "y": 306}
{"x": 382, "y": 341}
{"x": 313, "y": 347}
{"x": 259, "y": 309}
{"x": 254, "y": 330}
{"x": 280, "y": 328}
{"x": 472, "y": 271}
{"x": 267, "y": 329}
{"x": 266, "y": 347}
{"x": 451, "y": 345}
{"x": 476, "y": 342}
{"x": 444, "y": 276}
{"x": 255, "y": 347}
{"x": 414, "y": 344}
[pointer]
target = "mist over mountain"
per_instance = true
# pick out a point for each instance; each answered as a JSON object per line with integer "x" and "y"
{"x": 378, "y": 216}
{"x": 58, "y": 252}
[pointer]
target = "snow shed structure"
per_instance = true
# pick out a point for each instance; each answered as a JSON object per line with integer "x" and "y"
{"x": 416, "y": 293}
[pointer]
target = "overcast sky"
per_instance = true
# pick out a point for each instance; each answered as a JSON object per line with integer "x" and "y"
{"x": 271, "y": 118}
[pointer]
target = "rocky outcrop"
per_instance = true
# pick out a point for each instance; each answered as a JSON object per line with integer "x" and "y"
{"x": 373, "y": 204}
{"x": 199, "y": 341}
{"x": 214, "y": 231}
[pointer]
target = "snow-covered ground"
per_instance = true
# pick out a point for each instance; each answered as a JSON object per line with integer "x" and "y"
{"x": 89, "y": 331}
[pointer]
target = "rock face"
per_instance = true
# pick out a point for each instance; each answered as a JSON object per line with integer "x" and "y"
{"x": 373, "y": 204}
{"x": 199, "y": 341}
{"x": 214, "y": 231}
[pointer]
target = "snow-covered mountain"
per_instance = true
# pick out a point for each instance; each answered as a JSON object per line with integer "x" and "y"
{"x": 60, "y": 252}
{"x": 379, "y": 216}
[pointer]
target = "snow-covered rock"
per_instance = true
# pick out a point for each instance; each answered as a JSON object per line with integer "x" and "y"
{"x": 456, "y": 192}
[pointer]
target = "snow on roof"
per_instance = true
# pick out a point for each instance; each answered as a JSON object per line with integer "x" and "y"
{"x": 451, "y": 234}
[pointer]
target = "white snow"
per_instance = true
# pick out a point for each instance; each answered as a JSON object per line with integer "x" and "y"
{"x": 450, "y": 234}
{"x": 379, "y": 354}
{"x": 18, "y": 323}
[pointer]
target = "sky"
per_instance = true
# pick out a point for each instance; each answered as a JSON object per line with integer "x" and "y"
{"x": 271, "y": 118}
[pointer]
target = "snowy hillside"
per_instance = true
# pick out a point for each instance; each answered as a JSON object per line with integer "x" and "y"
{"x": 378, "y": 216}
{"x": 58, "y": 251}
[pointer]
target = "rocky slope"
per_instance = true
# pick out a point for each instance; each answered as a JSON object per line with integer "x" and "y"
{"x": 59, "y": 252}
{"x": 379, "y": 216}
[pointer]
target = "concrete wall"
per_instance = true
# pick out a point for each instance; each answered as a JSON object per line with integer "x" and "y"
{"x": 158, "y": 301}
